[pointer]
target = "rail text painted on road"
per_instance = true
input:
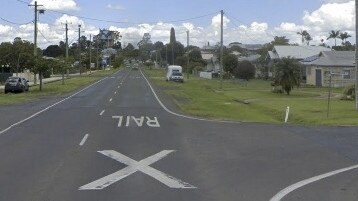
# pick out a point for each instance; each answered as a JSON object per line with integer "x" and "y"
{"x": 127, "y": 120}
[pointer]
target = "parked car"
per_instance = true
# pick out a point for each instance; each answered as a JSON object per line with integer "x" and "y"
{"x": 135, "y": 66}
{"x": 177, "y": 77}
{"x": 171, "y": 70}
{"x": 16, "y": 84}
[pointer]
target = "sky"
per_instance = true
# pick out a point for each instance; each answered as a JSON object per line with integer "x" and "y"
{"x": 245, "y": 21}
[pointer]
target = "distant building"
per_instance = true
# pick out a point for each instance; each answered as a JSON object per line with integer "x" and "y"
{"x": 250, "y": 47}
{"x": 297, "y": 52}
{"x": 339, "y": 64}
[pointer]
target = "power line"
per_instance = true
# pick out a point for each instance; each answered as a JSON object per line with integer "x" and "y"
{"x": 126, "y": 22}
{"x": 15, "y": 23}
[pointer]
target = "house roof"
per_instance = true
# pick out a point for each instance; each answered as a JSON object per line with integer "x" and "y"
{"x": 207, "y": 56}
{"x": 251, "y": 58}
{"x": 332, "y": 58}
{"x": 298, "y": 52}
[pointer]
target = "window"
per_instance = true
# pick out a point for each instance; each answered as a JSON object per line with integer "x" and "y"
{"x": 346, "y": 74}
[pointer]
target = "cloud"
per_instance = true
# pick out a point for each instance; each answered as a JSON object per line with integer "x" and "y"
{"x": 115, "y": 7}
{"x": 216, "y": 21}
{"x": 330, "y": 16}
{"x": 63, "y": 5}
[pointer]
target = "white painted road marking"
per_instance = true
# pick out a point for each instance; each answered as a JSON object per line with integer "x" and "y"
{"x": 115, "y": 93}
{"x": 47, "y": 108}
{"x": 134, "y": 166}
{"x": 100, "y": 114}
{"x": 180, "y": 115}
{"x": 118, "y": 87}
{"x": 110, "y": 100}
{"x": 151, "y": 122}
{"x": 300, "y": 184}
{"x": 84, "y": 140}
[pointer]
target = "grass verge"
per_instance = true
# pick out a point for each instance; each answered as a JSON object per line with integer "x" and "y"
{"x": 53, "y": 89}
{"x": 255, "y": 102}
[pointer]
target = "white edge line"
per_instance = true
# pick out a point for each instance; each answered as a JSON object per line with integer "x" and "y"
{"x": 180, "y": 115}
{"x": 84, "y": 140}
{"x": 100, "y": 114}
{"x": 302, "y": 183}
{"x": 43, "y": 110}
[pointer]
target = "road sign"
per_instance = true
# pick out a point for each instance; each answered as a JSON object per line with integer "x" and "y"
{"x": 134, "y": 166}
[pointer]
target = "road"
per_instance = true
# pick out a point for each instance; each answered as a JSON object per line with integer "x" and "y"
{"x": 114, "y": 141}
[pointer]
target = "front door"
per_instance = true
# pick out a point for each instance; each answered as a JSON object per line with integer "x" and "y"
{"x": 318, "y": 77}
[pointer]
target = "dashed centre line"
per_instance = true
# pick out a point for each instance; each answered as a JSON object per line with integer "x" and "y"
{"x": 115, "y": 92}
{"x": 84, "y": 140}
{"x": 110, "y": 100}
{"x": 100, "y": 114}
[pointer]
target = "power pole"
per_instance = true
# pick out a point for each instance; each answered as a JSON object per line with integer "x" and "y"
{"x": 356, "y": 87}
{"x": 166, "y": 54}
{"x": 97, "y": 46}
{"x": 187, "y": 63}
{"x": 222, "y": 50}
{"x": 90, "y": 52}
{"x": 35, "y": 37}
{"x": 79, "y": 49}
{"x": 66, "y": 60}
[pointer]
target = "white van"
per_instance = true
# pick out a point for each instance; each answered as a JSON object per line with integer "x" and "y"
{"x": 173, "y": 69}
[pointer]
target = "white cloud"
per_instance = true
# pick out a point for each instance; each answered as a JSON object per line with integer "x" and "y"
{"x": 4, "y": 29}
{"x": 58, "y": 4}
{"x": 216, "y": 21}
{"x": 330, "y": 16}
{"x": 115, "y": 7}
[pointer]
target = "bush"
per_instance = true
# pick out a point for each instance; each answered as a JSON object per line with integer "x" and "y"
{"x": 277, "y": 90}
{"x": 349, "y": 93}
{"x": 244, "y": 70}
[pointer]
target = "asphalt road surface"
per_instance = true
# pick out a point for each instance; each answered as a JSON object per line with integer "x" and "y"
{"x": 114, "y": 141}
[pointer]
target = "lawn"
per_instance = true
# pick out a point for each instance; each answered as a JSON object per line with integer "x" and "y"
{"x": 53, "y": 89}
{"x": 255, "y": 102}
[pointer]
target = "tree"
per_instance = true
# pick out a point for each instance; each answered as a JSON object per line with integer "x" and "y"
{"x": 306, "y": 37}
{"x": 53, "y": 51}
{"x": 280, "y": 40}
{"x": 172, "y": 36}
{"x": 334, "y": 34}
{"x": 245, "y": 70}
{"x": 230, "y": 63}
{"x": 145, "y": 46}
{"x": 174, "y": 49}
{"x": 287, "y": 74}
{"x": 344, "y": 36}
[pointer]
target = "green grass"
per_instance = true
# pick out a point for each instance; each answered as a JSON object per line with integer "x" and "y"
{"x": 53, "y": 88}
{"x": 255, "y": 102}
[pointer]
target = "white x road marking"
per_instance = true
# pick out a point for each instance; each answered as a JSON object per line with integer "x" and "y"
{"x": 134, "y": 166}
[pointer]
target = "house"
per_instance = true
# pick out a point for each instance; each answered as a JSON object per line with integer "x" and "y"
{"x": 212, "y": 62}
{"x": 339, "y": 64}
{"x": 298, "y": 52}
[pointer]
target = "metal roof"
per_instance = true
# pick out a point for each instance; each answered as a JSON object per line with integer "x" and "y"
{"x": 298, "y": 52}
{"x": 333, "y": 59}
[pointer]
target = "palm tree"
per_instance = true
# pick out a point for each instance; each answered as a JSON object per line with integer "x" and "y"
{"x": 306, "y": 37}
{"x": 288, "y": 74}
{"x": 334, "y": 34}
{"x": 302, "y": 36}
{"x": 344, "y": 36}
